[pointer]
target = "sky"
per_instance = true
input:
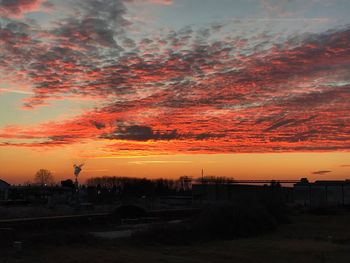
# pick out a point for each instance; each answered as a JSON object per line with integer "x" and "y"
{"x": 251, "y": 89}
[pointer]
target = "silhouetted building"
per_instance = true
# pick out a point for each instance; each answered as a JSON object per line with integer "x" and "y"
{"x": 39, "y": 195}
{"x": 4, "y": 190}
{"x": 322, "y": 193}
{"x": 216, "y": 193}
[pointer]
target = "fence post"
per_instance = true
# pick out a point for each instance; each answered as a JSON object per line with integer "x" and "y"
{"x": 310, "y": 195}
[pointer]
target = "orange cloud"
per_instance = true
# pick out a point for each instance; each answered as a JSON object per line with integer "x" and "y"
{"x": 182, "y": 91}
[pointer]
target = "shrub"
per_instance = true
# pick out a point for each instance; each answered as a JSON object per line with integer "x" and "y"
{"x": 274, "y": 202}
{"x": 233, "y": 220}
{"x": 221, "y": 221}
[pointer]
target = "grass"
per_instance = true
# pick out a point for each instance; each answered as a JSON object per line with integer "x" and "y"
{"x": 308, "y": 238}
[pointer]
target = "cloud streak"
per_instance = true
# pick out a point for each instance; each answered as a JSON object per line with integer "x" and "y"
{"x": 322, "y": 172}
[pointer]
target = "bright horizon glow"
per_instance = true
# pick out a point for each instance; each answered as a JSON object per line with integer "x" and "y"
{"x": 280, "y": 166}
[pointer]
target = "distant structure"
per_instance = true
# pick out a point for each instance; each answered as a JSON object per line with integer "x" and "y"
{"x": 322, "y": 193}
{"x": 318, "y": 194}
{"x": 4, "y": 190}
{"x": 222, "y": 191}
{"x": 77, "y": 170}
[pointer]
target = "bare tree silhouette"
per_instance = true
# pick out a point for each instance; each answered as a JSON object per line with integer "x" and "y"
{"x": 44, "y": 177}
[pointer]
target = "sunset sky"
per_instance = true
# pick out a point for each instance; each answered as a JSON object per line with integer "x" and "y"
{"x": 253, "y": 89}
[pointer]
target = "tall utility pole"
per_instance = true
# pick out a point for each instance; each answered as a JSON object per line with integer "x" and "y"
{"x": 77, "y": 170}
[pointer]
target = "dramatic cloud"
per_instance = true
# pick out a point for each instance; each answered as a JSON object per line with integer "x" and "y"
{"x": 139, "y": 133}
{"x": 197, "y": 90}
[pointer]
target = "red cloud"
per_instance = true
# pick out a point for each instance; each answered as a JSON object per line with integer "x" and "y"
{"x": 182, "y": 92}
{"x": 16, "y": 8}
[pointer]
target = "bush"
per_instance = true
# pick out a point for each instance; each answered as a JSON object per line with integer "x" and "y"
{"x": 274, "y": 202}
{"x": 128, "y": 211}
{"x": 221, "y": 221}
{"x": 233, "y": 220}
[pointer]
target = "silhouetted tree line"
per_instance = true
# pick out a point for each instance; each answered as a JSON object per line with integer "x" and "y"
{"x": 108, "y": 187}
{"x": 215, "y": 180}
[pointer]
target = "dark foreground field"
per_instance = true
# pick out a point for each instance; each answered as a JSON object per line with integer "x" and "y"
{"x": 308, "y": 238}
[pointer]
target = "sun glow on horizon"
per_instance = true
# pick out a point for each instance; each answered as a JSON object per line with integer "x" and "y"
{"x": 249, "y": 89}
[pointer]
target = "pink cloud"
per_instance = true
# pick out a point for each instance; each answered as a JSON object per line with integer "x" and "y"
{"x": 16, "y": 8}
{"x": 190, "y": 94}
